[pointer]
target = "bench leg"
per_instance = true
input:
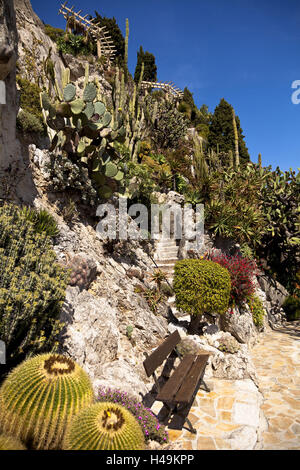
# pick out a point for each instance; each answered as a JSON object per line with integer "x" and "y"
{"x": 193, "y": 430}
{"x": 205, "y": 386}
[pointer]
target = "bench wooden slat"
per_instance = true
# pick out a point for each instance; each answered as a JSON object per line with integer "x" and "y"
{"x": 187, "y": 389}
{"x": 171, "y": 387}
{"x": 161, "y": 353}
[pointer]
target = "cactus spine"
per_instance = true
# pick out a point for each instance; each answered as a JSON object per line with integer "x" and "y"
{"x": 104, "y": 426}
{"x": 39, "y": 398}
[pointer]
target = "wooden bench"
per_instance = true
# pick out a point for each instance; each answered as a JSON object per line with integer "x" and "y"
{"x": 180, "y": 388}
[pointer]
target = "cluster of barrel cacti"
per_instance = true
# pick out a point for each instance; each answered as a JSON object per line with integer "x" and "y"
{"x": 84, "y": 130}
{"x": 47, "y": 402}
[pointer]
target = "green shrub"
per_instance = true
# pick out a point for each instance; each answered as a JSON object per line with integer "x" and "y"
{"x": 257, "y": 309}
{"x": 54, "y": 33}
{"x": 291, "y": 307}
{"x": 32, "y": 288}
{"x": 28, "y": 122}
{"x": 201, "y": 286}
{"x": 39, "y": 398}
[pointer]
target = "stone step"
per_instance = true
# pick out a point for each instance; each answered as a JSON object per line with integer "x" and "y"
{"x": 168, "y": 250}
{"x": 166, "y": 243}
{"x": 167, "y": 257}
{"x": 169, "y": 261}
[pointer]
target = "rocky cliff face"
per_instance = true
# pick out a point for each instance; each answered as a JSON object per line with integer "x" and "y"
{"x": 8, "y": 52}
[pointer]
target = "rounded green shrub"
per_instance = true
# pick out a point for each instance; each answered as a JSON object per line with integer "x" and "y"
{"x": 291, "y": 306}
{"x": 32, "y": 286}
{"x": 10, "y": 443}
{"x": 201, "y": 286}
{"x": 104, "y": 426}
{"x": 39, "y": 398}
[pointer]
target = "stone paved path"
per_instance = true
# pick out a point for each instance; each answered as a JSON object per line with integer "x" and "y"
{"x": 235, "y": 415}
{"x": 277, "y": 361}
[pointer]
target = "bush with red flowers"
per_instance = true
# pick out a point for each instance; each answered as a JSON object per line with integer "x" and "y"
{"x": 242, "y": 273}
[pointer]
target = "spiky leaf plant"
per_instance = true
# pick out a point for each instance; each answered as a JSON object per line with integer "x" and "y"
{"x": 39, "y": 398}
{"x": 10, "y": 443}
{"x": 104, "y": 426}
{"x": 32, "y": 287}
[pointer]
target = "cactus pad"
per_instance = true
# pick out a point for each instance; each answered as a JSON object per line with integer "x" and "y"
{"x": 39, "y": 398}
{"x": 106, "y": 120}
{"x": 100, "y": 108}
{"x": 69, "y": 92}
{"x": 90, "y": 92}
{"x": 105, "y": 426}
{"x": 89, "y": 110}
{"x": 119, "y": 176}
{"x": 111, "y": 170}
{"x": 105, "y": 192}
{"x": 77, "y": 106}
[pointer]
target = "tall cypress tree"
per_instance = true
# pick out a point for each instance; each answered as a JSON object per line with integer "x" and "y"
{"x": 116, "y": 35}
{"x": 221, "y": 132}
{"x": 150, "y": 69}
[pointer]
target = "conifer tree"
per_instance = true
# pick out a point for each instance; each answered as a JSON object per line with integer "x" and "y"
{"x": 150, "y": 69}
{"x": 221, "y": 132}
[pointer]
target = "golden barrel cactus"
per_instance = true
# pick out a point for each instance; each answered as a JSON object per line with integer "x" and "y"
{"x": 104, "y": 426}
{"x": 39, "y": 398}
{"x": 10, "y": 443}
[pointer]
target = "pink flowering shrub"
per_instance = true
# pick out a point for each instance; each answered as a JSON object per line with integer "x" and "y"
{"x": 242, "y": 273}
{"x": 149, "y": 423}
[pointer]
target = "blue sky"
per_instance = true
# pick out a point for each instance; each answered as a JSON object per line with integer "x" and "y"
{"x": 246, "y": 51}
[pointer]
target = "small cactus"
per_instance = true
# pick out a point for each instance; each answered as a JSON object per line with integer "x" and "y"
{"x": 83, "y": 272}
{"x": 104, "y": 426}
{"x": 10, "y": 443}
{"x": 39, "y": 398}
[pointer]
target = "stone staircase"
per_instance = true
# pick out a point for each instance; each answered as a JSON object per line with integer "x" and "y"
{"x": 166, "y": 255}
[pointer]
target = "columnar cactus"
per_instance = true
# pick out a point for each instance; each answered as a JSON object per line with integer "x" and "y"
{"x": 104, "y": 426}
{"x": 39, "y": 398}
{"x": 10, "y": 443}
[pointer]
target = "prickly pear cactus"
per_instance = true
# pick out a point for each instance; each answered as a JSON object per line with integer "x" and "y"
{"x": 104, "y": 426}
{"x": 85, "y": 131}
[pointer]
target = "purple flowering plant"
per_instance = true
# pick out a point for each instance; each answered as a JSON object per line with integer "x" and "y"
{"x": 149, "y": 423}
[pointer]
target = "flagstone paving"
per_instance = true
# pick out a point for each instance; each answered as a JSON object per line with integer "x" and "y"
{"x": 236, "y": 416}
{"x": 277, "y": 361}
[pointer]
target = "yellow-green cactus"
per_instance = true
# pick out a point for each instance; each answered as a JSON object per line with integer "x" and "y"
{"x": 10, "y": 443}
{"x": 104, "y": 426}
{"x": 39, "y": 398}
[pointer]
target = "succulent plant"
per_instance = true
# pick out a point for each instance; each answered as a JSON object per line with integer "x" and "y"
{"x": 104, "y": 426}
{"x": 39, "y": 398}
{"x": 85, "y": 131}
{"x": 83, "y": 272}
{"x": 10, "y": 443}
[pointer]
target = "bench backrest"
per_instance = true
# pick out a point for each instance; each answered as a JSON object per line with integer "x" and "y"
{"x": 161, "y": 353}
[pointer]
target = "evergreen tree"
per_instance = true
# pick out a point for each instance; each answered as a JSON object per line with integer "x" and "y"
{"x": 150, "y": 69}
{"x": 221, "y": 132}
{"x": 116, "y": 35}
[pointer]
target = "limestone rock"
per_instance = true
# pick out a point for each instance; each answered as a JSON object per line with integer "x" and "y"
{"x": 274, "y": 291}
{"x": 240, "y": 325}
